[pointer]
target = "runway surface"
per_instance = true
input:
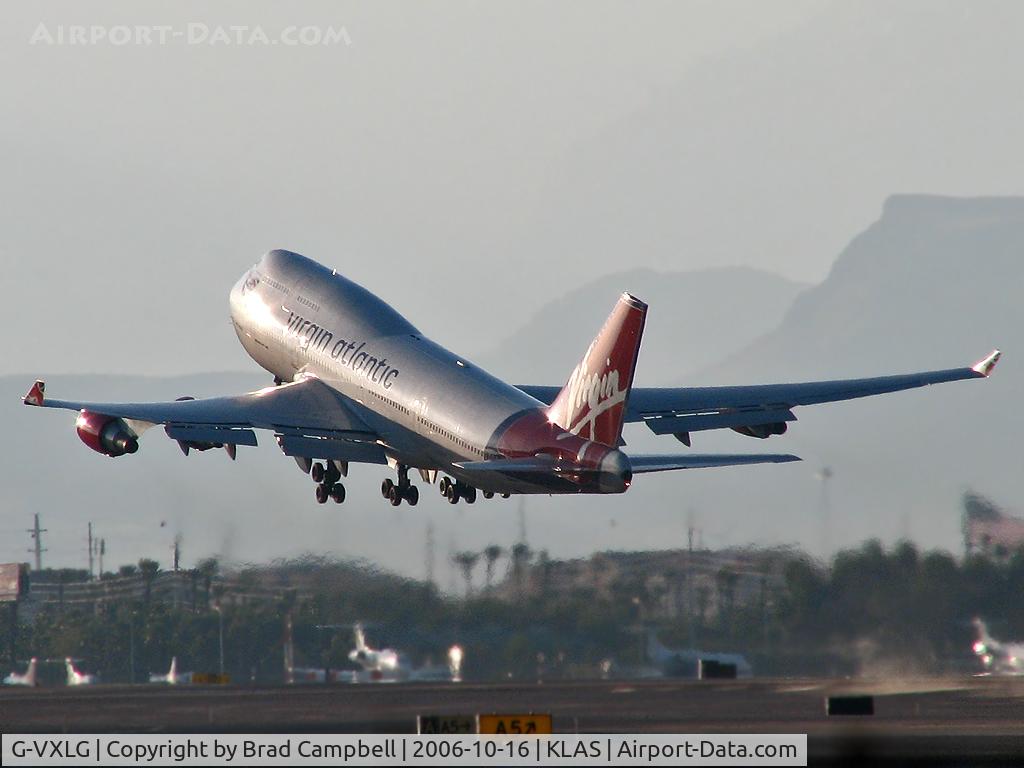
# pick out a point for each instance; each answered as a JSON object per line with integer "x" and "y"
{"x": 966, "y": 720}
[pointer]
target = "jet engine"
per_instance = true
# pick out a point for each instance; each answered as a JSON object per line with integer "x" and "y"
{"x": 106, "y": 435}
{"x": 763, "y": 430}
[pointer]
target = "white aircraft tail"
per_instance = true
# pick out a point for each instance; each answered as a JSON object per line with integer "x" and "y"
{"x": 360, "y": 638}
{"x": 29, "y": 678}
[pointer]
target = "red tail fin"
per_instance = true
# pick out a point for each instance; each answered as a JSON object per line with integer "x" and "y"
{"x": 592, "y": 404}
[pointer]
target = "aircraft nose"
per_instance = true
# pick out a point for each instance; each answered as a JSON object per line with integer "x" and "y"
{"x": 616, "y": 472}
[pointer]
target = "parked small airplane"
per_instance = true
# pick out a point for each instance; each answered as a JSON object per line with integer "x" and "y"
{"x": 28, "y": 678}
{"x": 997, "y": 658}
{"x": 75, "y": 677}
{"x": 357, "y": 382}
{"x": 378, "y": 666}
{"x": 173, "y": 676}
{"x": 685, "y": 662}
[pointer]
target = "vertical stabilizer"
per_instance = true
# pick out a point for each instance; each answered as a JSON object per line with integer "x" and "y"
{"x": 360, "y": 638}
{"x": 592, "y": 404}
{"x": 985, "y": 640}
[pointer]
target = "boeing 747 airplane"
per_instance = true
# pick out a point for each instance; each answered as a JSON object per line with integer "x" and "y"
{"x": 354, "y": 381}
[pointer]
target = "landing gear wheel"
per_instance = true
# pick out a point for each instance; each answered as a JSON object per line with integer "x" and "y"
{"x": 395, "y": 496}
{"x": 452, "y": 493}
{"x": 317, "y": 473}
{"x": 488, "y": 494}
{"x": 505, "y": 495}
{"x": 338, "y": 493}
{"x": 385, "y": 488}
{"x": 412, "y": 495}
{"x": 321, "y": 494}
{"x": 445, "y": 485}
{"x": 331, "y": 474}
{"x": 468, "y": 492}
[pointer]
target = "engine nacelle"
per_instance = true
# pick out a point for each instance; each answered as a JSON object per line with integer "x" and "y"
{"x": 763, "y": 430}
{"x": 106, "y": 435}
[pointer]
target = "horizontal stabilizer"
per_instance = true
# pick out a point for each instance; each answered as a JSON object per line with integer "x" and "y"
{"x": 526, "y": 464}
{"x": 656, "y": 463}
{"x": 639, "y": 464}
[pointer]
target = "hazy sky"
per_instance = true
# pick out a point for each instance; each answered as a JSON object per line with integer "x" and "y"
{"x": 468, "y": 161}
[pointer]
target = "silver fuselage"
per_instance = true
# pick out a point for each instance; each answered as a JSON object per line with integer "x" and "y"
{"x": 430, "y": 407}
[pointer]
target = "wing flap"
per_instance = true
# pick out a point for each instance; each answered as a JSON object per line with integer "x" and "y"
{"x": 326, "y": 448}
{"x": 208, "y": 434}
{"x": 696, "y": 422}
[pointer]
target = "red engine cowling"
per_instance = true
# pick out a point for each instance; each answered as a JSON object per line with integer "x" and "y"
{"x": 106, "y": 435}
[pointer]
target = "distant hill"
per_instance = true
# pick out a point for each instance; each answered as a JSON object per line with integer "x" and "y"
{"x": 694, "y": 319}
{"x": 936, "y": 282}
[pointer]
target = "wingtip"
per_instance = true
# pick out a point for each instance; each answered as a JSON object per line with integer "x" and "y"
{"x": 36, "y": 394}
{"x": 987, "y": 365}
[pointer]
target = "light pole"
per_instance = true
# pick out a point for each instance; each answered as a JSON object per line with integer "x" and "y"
{"x": 131, "y": 647}
{"x": 220, "y": 626}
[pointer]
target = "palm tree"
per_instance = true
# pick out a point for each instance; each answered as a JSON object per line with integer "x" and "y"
{"x": 148, "y": 568}
{"x": 466, "y": 561}
{"x": 491, "y": 555}
{"x": 725, "y": 582}
{"x": 521, "y": 555}
{"x": 208, "y": 570}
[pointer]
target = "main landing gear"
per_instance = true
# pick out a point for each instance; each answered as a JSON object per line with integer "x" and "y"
{"x": 401, "y": 491}
{"x": 453, "y": 490}
{"x": 326, "y": 476}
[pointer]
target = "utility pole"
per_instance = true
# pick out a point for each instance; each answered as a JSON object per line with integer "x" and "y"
{"x": 825, "y": 513}
{"x": 36, "y": 532}
{"x": 690, "y": 620}
{"x": 220, "y": 625}
{"x": 430, "y": 553}
{"x": 90, "y": 553}
{"x": 131, "y": 647}
{"x": 103, "y": 551}
{"x": 522, "y": 519}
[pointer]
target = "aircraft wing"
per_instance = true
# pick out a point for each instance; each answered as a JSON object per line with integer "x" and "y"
{"x": 308, "y": 417}
{"x": 759, "y": 410}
